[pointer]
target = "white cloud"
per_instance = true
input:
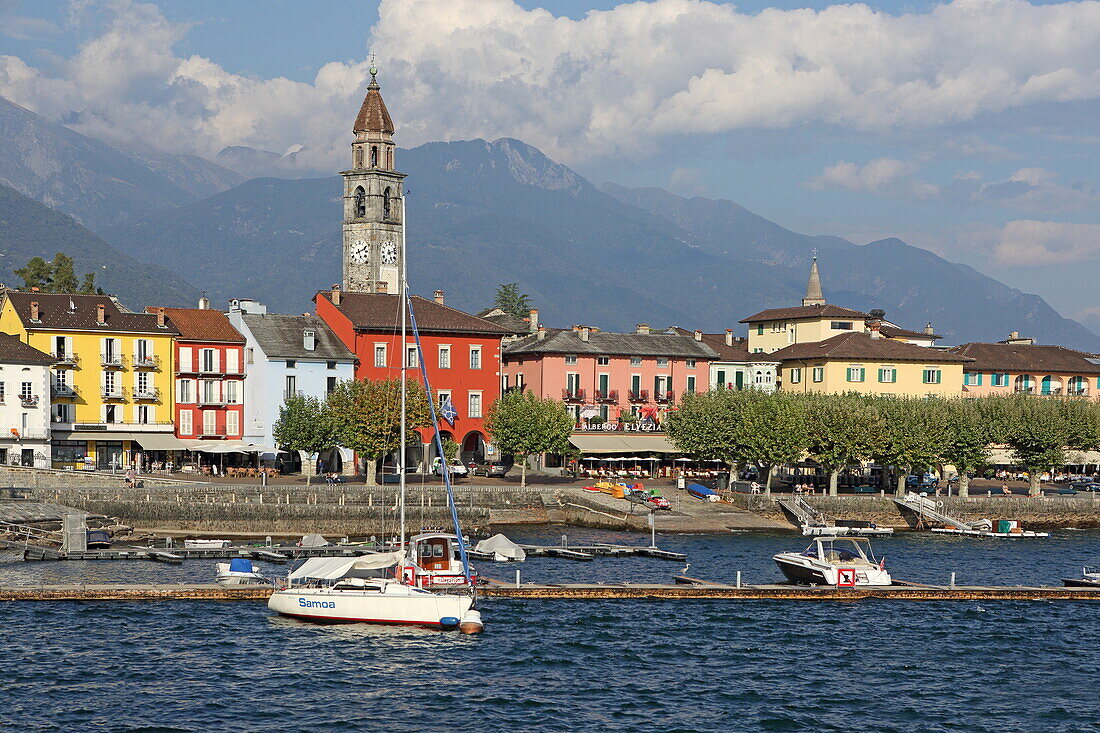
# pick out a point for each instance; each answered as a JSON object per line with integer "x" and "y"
{"x": 616, "y": 82}
{"x": 1028, "y": 242}
{"x": 882, "y": 176}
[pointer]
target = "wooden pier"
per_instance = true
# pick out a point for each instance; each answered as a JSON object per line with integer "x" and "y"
{"x": 577, "y": 591}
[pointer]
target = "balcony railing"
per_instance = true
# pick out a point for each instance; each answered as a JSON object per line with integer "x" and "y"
{"x": 63, "y": 359}
{"x": 63, "y": 390}
{"x": 1025, "y": 390}
{"x": 146, "y": 393}
{"x": 111, "y": 360}
{"x": 572, "y": 395}
{"x": 28, "y": 400}
{"x": 113, "y": 393}
{"x": 638, "y": 395}
{"x": 607, "y": 396}
{"x": 146, "y": 361}
{"x": 210, "y": 400}
{"x": 664, "y": 398}
{"x": 289, "y": 394}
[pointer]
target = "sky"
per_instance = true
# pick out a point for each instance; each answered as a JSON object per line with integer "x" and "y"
{"x": 969, "y": 128}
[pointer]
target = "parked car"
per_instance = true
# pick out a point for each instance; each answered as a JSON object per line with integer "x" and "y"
{"x": 456, "y": 467}
{"x": 1086, "y": 485}
{"x": 927, "y": 481}
{"x": 492, "y": 469}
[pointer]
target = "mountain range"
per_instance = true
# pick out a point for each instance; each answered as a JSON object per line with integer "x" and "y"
{"x": 483, "y": 213}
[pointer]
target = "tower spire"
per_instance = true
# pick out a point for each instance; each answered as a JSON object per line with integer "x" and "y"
{"x": 813, "y": 286}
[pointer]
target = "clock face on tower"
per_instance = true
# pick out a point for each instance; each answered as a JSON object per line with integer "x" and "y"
{"x": 359, "y": 253}
{"x": 389, "y": 253}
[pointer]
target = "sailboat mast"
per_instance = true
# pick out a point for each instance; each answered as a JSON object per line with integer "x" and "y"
{"x": 404, "y": 299}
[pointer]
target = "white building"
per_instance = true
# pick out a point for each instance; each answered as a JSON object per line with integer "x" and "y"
{"x": 24, "y": 404}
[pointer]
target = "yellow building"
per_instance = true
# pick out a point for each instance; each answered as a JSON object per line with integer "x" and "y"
{"x": 870, "y": 364}
{"x": 112, "y": 385}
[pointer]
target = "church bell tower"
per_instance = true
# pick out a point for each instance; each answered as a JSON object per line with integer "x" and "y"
{"x": 373, "y": 215}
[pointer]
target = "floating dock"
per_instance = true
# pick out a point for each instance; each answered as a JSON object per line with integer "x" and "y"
{"x": 579, "y": 591}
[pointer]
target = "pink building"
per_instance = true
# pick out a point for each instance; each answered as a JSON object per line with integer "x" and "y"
{"x": 610, "y": 381}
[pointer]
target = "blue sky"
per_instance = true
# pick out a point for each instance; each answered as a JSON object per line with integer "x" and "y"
{"x": 968, "y": 128}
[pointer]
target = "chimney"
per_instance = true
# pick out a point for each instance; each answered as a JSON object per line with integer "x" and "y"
{"x": 698, "y": 335}
{"x": 929, "y": 330}
{"x": 34, "y": 311}
{"x": 101, "y": 314}
{"x": 643, "y": 328}
{"x": 309, "y": 339}
{"x": 1013, "y": 335}
{"x": 542, "y": 333}
{"x": 534, "y": 320}
{"x": 584, "y": 333}
{"x": 382, "y": 287}
{"x": 161, "y": 318}
{"x": 729, "y": 337}
{"x": 36, "y": 289}
{"x": 873, "y": 327}
{"x": 204, "y": 302}
{"x": 335, "y": 294}
{"x": 1016, "y": 339}
{"x": 439, "y": 297}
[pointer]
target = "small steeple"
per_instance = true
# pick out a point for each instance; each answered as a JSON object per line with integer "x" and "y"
{"x": 813, "y": 287}
{"x": 373, "y": 115}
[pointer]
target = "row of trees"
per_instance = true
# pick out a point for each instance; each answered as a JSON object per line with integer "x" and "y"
{"x": 903, "y": 434}
{"x": 58, "y": 276}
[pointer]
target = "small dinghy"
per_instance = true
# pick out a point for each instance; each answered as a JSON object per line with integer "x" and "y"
{"x": 240, "y": 571}
{"x": 836, "y": 561}
{"x": 1090, "y": 578}
{"x": 206, "y": 544}
{"x": 702, "y": 492}
{"x": 98, "y": 539}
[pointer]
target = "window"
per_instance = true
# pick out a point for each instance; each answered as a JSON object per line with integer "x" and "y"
{"x": 998, "y": 379}
{"x": 777, "y": 327}
{"x": 211, "y": 388}
{"x": 691, "y": 384}
{"x": 61, "y": 413}
{"x": 110, "y": 351}
{"x": 380, "y": 355}
{"x": 662, "y": 361}
{"x": 690, "y": 363}
{"x": 519, "y": 382}
{"x": 248, "y": 355}
{"x": 603, "y": 360}
{"x": 330, "y": 385}
{"x": 819, "y": 374}
{"x": 291, "y": 387}
{"x": 209, "y": 422}
{"x": 856, "y": 373}
{"x": 443, "y": 395}
{"x": 373, "y": 156}
{"x": 183, "y": 391}
{"x": 660, "y": 386}
{"x": 603, "y": 386}
{"x": 112, "y": 414}
{"x": 570, "y": 359}
{"x": 758, "y": 350}
{"x": 760, "y": 329}
{"x": 573, "y": 383}
{"x": 186, "y": 423}
{"x": 888, "y": 375}
{"x": 386, "y": 205}
{"x": 360, "y": 203}
{"x": 232, "y": 361}
{"x": 720, "y": 378}
{"x": 635, "y": 361}
{"x": 232, "y": 423}
{"x": 796, "y": 375}
{"x": 475, "y": 404}
{"x": 635, "y": 383}
{"x": 972, "y": 379}
{"x": 331, "y": 365}
{"x": 841, "y": 325}
{"x": 231, "y": 395}
{"x": 208, "y": 362}
{"x": 141, "y": 382}
{"x": 143, "y": 350}
{"x": 291, "y": 364}
{"x": 475, "y": 357}
{"x": 109, "y": 386}
{"x": 144, "y": 415}
{"x": 26, "y": 390}
{"x": 187, "y": 359}
{"x": 444, "y": 357}
{"x": 411, "y": 362}
{"x": 932, "y": 375}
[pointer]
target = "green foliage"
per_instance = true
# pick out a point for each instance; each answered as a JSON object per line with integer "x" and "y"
{"x": 969, "y": 430}
{"x": 305, "y": 424}
{"x": 450, "y": 449}
{"x": 89, "y": 287}
{"x": 58, "y": 276}
{"x": 523, "y": 424}
{"x": 914, "y": 434}
{"x": 37, "y": 273}
{"x": 510, "y": 300}
{"x": 1041, "y": 429}
{"x": 708, "y": 425}
{"x": 774, "y": 430}
{"x": 64, "y": 276}
{"x": 844, "y": 430}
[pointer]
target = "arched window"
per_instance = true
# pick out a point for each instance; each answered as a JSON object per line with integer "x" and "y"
{"x": 386, "y": 206}
{"x": 1024, "y": 384}
{"x": 359, "y": 157}
{"x": 373, "y": 156}
{"x": 360, "y": 203}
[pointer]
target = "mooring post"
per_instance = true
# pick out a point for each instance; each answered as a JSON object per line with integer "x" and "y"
{"x": 517, "y": 578}
{"x": 952, "y": 578}
{"x": 565, "y": 540}
{"x": 738, "y": 578}
{"x": 652, "y": 531}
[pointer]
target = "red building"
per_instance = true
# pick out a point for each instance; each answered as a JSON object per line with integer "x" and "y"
{"x": 461, "y": 351}
{"x": 209, "y": 375}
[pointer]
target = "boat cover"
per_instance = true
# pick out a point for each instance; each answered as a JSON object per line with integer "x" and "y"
{"x": 333, "y": 568}
{"x": 240, "y": 565}
{"x": 313, "y": 540}
{"x": 501, "y": 546}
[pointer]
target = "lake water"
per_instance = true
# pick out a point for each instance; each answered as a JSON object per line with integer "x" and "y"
{"x": 576, "y": 665}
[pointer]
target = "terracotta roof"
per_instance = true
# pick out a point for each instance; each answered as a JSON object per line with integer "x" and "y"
{"x": 805, "y": 311}
{"x": 55, "y": 314}
{"x": 14, "y": 351}
{"x": 280, "y": 337}
{"x": 857, "y": 345}
{"x": 203, "y": 324}
{"x": 380, "y": 312}
{"x": 738, "y": 352}
{"x": 613, "y": 344}
{"x": 373, "y": 115}
{"x": 899, "y": 332}
{"x": 1031, "y": 358}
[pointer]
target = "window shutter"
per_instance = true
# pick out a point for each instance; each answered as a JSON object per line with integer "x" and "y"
{"x": 186, "y": 362}
{"x": 232, "y": 360}
{"x": 216, "y": 355}
{"x": 862, "y": 373}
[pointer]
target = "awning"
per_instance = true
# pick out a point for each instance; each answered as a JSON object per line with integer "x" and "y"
{"x": 160, "y": 441}
{"x": 94, "y": 435}
{"x": 331, "y": 568}
{"x": 623, "y": 444}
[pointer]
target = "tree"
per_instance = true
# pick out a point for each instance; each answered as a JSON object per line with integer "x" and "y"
{"x": 366, "y": 416}
{"x": 1041, "y": 429}
{"x": 510, "y": 300}
{"x": 450, "y": 449}
{"x": 913, "y": 435}
{"x": 773, "y": 431}
{"x": 64, "y": 276}
{"x": 89, "y": 287}
{"x": 711, "y": 426}
{"x": 305, "y": 425}
{"x": 844, "y": 430}
{"x": 37, "y": 273}
{"x": 969, "y": 429}
{"x": 523, "y": 424}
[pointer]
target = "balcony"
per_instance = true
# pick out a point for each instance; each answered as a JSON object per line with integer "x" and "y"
{"x": 113, "y": 393}
{"x": 63, "y": 390}
{"x": 572, "y": 395}
{"x": 289, "y": 394}
{"x": 1025, "y": 390}
{"x": 69, "y": 360}
{"x": 28, "y": 400}
{"x": 146, "y": 361}
{"x": 607, "y": 397}
{"x": 664, "y": 398}
{"x": 639, "y": 395}
{"x": 210, "y": 400}
{"x": 147, "y": 394}
{"x": 111, "y": 361}
{"x": 1077, "y": 391}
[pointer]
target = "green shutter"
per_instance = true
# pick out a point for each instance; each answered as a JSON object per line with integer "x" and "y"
{"x": 979, "y": 379}
{"x": 862, "y": 374}
{"x": 882, "y": 375}
{"x": 760, "y": 330}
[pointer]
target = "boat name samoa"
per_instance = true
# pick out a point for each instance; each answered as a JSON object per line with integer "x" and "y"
{"x": 316, "y": 604}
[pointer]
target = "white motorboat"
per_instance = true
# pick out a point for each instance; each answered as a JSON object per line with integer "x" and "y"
{"x": 1090, "y": 578}
{"x": 835, "y": 561}
{"x": 845, "y": 528}
{"x": 206, "y": 544}
{"x": 240, "y": 571}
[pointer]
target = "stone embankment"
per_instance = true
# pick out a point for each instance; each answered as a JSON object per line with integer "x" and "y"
{"x": 49, "y": 478}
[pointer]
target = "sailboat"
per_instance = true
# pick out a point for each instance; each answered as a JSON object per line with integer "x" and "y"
{"x": 393, "y": 587}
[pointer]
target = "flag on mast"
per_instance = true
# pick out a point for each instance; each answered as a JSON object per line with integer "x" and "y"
{"x": 448, "y": 412}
